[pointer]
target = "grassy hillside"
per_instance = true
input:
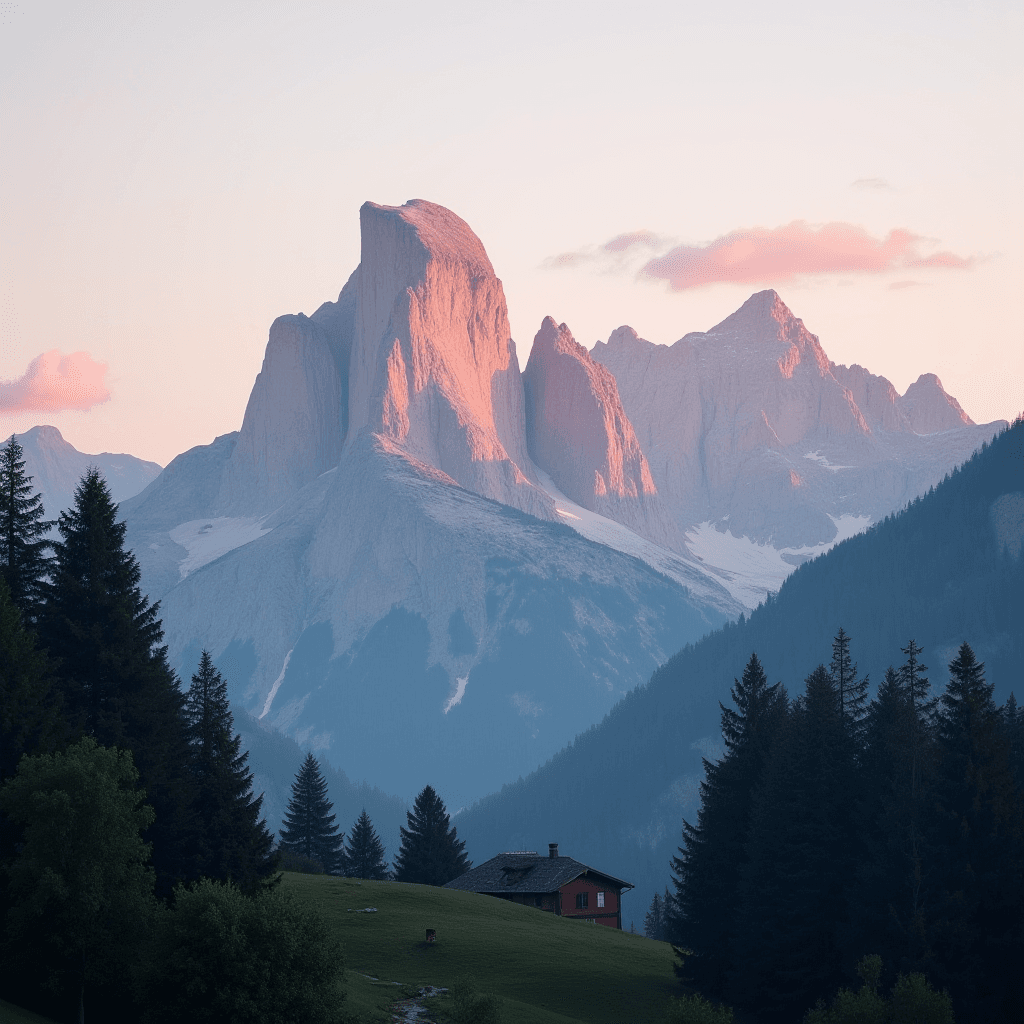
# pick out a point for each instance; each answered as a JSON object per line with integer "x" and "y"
{"x": 11, "y": 1014}
{"x": 547, "y": 969}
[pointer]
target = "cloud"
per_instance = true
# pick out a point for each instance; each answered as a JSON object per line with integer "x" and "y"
{"x": 899, "y": 285}
{"x": 776, "y": 255}
{"x": 55, "y": 382}
{"x": 871, "y": 184}
{"x": 613, "y": 254}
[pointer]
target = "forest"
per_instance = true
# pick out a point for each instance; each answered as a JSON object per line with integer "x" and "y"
{"x": 138, "y": 876}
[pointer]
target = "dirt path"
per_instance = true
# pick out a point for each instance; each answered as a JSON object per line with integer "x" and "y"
{"x": 412, "y": 1011}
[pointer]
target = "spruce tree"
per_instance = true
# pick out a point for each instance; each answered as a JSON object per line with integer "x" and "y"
{"x": 852, "y": 692}
{"x": 308, "y": 827}
{"x": 978, "y": 835}
{"x": 1013, "y": 723}
{"x": 654, "y": 919}
{"x": 794, "y": 906}
{"x": 364, "y": 852}
{"x": 112, "y": 668}
{"x": 230, "y": 840}
{"x": 431, "y": 852}
{"x": 23, "y": 560}
{"x": 703, "y": 918}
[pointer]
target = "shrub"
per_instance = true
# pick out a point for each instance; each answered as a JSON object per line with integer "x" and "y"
{"x": 696, "y": 1009}
{"x": 221, "y": 956}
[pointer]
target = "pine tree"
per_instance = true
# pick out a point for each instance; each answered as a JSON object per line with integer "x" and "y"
{"x": 654, "y": 919}
{"x": 113, "y": 675}
{"x": 29, "y": 718}
{"x": 364, "y": 852}
{"x": 1013, "y": 723}
{"x": 853, "y": 692}
{"x": 308, "y": 827}
{"x": 231, "y": 841}
{"x": 979, "y": 843}
{"x": 703, "y": 916}
{"x": 431, "y": 852}
{"x": 794, "y": 904}
{"x": 23, "y": 560}
{"x": 893, "y": 879}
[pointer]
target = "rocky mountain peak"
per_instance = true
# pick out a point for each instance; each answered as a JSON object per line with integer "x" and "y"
{"x": 930, "y": 409}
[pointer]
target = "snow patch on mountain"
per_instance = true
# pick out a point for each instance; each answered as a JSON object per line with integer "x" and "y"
{"x": 208, "y": 539}
{"x": 277, "y": 685}
{"x": 749, "y": 570}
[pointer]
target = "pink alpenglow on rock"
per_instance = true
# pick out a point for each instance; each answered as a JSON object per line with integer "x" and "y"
{"x": 580, "y": 435}
{"x": 433, "y": 366}
{"x": 54, "y": 383}
{"x": 929, "y": 409}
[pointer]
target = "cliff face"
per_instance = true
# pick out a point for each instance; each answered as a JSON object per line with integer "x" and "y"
{"x": 579, "y": 434}
{"x": 433, "y": 366}
{"x": 929, "y": 409}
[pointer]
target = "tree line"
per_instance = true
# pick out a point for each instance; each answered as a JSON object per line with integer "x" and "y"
{"x": 131, "y": 842}
{"x": 840, "y": 837}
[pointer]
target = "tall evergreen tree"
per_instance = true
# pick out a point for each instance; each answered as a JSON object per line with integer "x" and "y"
{"x": 978, "y": 836}
{"x": 703, "y": 919}
{"x": 23, "y": 545}
{"x": 852, "y": 692}
{"x": 113, "y": 674}
{"x": 230, "y": 839}
{"x": 1013, "y": 723}
{"x": 794, "y": 907}
{"x": 654, "y": 919}
{"x": 308, "y": 827}
{"x": 431, "y": 852}
{"x": 364, "y": 852}
{"x": 893, "y": 879}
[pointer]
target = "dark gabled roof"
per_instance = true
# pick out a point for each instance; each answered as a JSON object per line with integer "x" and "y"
{"x": 527, "y": 873}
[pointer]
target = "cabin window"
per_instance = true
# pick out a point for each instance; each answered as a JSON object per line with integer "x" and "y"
{"x": 600, "y": 899}
{"x": 581, "y": 900}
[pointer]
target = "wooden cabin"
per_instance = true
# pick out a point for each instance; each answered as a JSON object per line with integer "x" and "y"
{"x": 559, "y": 885}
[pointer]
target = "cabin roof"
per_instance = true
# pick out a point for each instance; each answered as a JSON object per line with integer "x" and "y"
{"x": 528, "y": 873}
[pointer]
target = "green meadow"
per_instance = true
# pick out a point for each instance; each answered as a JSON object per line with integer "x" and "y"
{"x": 546, "y": 969}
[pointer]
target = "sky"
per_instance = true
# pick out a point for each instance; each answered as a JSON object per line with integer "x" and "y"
{"x": 174, "y": 176}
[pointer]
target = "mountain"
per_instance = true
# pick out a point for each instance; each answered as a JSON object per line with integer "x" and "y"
{"x": 765, "y": 452}
{"x": 56, "y": 467}
{"x": 948, "y": 568}
{"x": 374, "y": 560}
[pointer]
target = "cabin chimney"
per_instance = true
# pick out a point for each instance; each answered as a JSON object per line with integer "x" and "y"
{"x": 552, "y": 850}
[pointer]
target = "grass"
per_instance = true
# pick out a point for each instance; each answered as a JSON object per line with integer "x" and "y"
{"x": 11, "y": 1014}
{"x": 546, "y": 969}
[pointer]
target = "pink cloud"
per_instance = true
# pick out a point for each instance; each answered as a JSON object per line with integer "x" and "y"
{"x": 776, "y": 255}
{"x": 626, "y": 241}
{"x": 55, "y": 382}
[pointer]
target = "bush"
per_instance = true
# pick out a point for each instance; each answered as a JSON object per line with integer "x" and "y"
{"x": 220, "y": 956}
{"x": 913, "y": 1001}
{"x": 467, "y": 1006}
{"x": 291, "y": 860}
{"x": 696, "y": 1009}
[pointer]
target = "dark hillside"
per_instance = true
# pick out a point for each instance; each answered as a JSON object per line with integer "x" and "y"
{"x": 948, "y": 568}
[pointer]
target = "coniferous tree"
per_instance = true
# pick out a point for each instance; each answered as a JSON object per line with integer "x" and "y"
{"x": 308, "y": 827}
{"x": 364, "y": 852}
{"x": 113, "y": 675}
{"x": 893, "y": 881}
{"x": 1013, "y": 723}
{"x": 29, "y": 716}
{"x": 230, "y": 839}
{"x": 23, "y": 560}
{"x": 794, "y": 906}
{"x": 703, "y": 917}
{"x": 431, "y": 852}
{"x": 978, "y": 841}
{"x": 852, "y": 692}
{"x": 654, "y": 919}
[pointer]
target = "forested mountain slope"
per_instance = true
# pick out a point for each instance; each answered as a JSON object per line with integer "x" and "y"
{"x": 948, "y": 568}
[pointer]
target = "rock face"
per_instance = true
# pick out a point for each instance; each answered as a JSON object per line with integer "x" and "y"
{"x": 578, "y": 433}
{"x": 374, "y": 560}
{"x": 433, "y": 366}
{"x": 929, "y": 409}
{"x": 749, "y": 428}
{"x": 56, "y": 466}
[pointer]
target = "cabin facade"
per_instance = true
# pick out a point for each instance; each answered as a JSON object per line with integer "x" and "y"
{"x": 558, "y": 885}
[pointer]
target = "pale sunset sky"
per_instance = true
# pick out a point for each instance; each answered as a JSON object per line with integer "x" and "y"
{"x": 176, "y": 175}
